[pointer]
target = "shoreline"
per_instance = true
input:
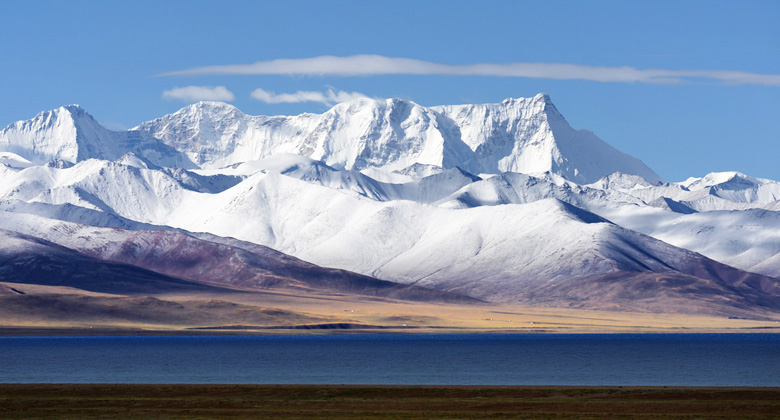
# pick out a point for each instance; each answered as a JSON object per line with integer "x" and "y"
{"x": 4, "y": 386}
{"x": 113, "y": 332}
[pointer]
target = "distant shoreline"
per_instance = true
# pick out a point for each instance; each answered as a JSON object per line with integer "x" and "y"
{"x": 113, "y": 332}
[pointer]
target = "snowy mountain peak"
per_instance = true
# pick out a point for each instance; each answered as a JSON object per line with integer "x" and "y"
{"x": 212, "y": 108}
{"x": 543, "y": 97}
{"x": 75, "y": 109}
{"x": 54, "y": 134}
{"x": 718, "y": 178}
{"x": 392, "y": 109}
{"x": 73, "y": 114}
{"x": 620, "y": 181}
{"x": 529, "y": 135}
{"x": 199, "y": 116}
{"x": 392, "y": 134}
{"x": 539, "y": 103}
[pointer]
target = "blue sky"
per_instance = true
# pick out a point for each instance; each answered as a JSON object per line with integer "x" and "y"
{"x": 689, "y": 87}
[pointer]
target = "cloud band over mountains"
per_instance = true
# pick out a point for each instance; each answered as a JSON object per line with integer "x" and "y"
{"x": 199, "y": 93}
{"x": 377, "y": 65}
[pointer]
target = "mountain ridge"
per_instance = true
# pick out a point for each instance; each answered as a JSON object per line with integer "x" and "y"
{"x": 520, "y": 135}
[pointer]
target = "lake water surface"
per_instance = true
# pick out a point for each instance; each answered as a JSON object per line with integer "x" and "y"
{"x": 517, "y": 359}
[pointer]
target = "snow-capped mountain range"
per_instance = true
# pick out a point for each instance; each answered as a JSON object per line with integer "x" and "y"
{"x": 500, "y": 202}
{"x": 517, "y": 135}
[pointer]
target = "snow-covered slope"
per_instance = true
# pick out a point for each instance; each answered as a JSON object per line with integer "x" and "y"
{"x": 746, "y": 234}
{"x": 748, "y": 239}
{"x": 13, "y": 160}
{"x": 226, "y": 262}
{"x": 30, "y": 260}
{"x": 715, "y": 191}
{"x": 424, "y": 189}
{"x": 727, "y": 216}
{"x": 508, "y": 253}
{"x": 133, "y": 193}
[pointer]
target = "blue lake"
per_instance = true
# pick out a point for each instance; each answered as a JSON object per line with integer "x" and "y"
{"x": 571, "y": 359}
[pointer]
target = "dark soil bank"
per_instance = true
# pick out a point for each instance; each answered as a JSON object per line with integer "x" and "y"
{"x": 35, "y": 401}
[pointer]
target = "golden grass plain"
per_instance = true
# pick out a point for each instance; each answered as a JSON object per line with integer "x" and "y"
{"x": 60, "y": 310}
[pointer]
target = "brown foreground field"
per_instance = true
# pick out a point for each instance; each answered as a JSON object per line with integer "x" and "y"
{"x": 59, "y": 401}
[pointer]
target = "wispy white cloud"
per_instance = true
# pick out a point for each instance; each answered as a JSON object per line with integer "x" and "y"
{"x": 199, "y": 93}
{"x": 375, "y": 65}
{"x": 329, "y": 97}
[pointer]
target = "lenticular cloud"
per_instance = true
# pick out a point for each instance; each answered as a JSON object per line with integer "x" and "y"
{"x": 377, "y": 65}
